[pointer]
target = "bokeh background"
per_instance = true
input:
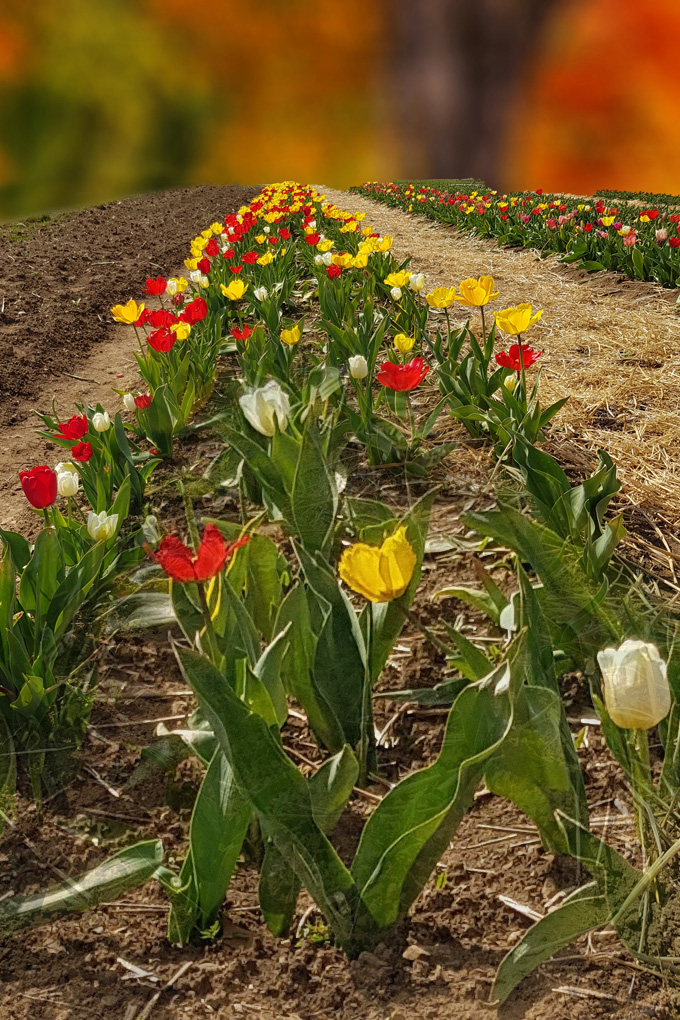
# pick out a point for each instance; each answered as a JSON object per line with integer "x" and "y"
{"x": 105, "y": 98}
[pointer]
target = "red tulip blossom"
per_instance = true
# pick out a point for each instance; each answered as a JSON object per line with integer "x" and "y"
{"x": 334, "y": 272}
{"x": 515, "y": 356}
{"x": 181, "y": 563}
{"x": 157, "y": 286}
{"x": 313, "y": 239}
{"x": 211, "y": 249}
{"x": 674, "y": 242}
{"x": 82, "y": 452}
{"x": 162, "y": 340}
{"x": 195, "y": 312}
{"x": 236, "y": 269}
{"x": 402, "y": 377}
{"x": 229, "y": 253}
{"x": 161, "y": 319}
{"x": 250, "y": 257}
{"x": 203, "y": 265}
{"x": 40, "y": 486}
{"x": 284, "y": 233}
{"x": 241, "y": 334}
{"x": 143, "y": 318}
{"x": 75, "y": 428}
{"x": 143, "y": 401}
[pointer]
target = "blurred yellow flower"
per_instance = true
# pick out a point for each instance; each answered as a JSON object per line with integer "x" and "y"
{"x": 181, "y": 330}
{"x": 383, "y": 243}
{"x": 517, "y": 320}
{"x": 441, "y": 297}
{"x": 260, "y": 238}
{"x": 128, "y": 313}
{"x": 475, "y": 293}
{"x": 404, "y": 343}
{"x": 291, "y": 336}
{"x": 360, "y": 261}
{"x": 325, "y": 245}
{"x": 379, "y": 573}
{"x": 398, "y": 279}
{"x": 342, "y": 259}
{"x": 235, "y": 290}
{"x": 265, "y": 259}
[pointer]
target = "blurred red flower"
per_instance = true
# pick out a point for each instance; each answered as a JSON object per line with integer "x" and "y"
{"x": 402, "y": 377}
{"x": 512, "y": 358}
{"x": 81, "y": 452}
{"x": 334, "y": 272}
{"x": 143, "y": 401}
{"x": 162, "y": 340}
{"x": 157, "y": 286}
{"x": 195, "y": 312}
{"x": 181, "y": 563}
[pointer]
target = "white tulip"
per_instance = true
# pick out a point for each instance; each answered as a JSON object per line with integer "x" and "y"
{"x": 195, "y": 275}
{"x": 129, "y": 402}
{"x": 318, "y": 260}
{"x": 327, "y": 258}
{"x": 63, "y": 466}
{"x": 416, "y": 281}
{"x": 266, "y": 407}
{"x": 101, "y": 421}
{"x": 203, "y": 281}
{"x": 171, "y": 288}
{"x": 396, "y": 293}
{"x": 67, "y": 482}
{"x": 150, "y": 530}
{"x": 636, "y": 691}
{"x": 358, "y": 367}
{"x": 261, "y": 293}
{"x": 267, "y": 230}
{"x": 506, "y": 620}
{"x": 101, "y": 526}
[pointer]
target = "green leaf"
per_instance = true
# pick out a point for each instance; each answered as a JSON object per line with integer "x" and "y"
{"x": 8, "y": 772}
{"x": 592, "y": 267}
{"x": 118, "y": 874}
{"x": 145, "y": 610}
{"x": 40, "y": 578}
{"x": 473, "y": 663}
{"x": 314, "y": 496}
{"x": 159, "y": 421}
{"x": 268, "y": 670}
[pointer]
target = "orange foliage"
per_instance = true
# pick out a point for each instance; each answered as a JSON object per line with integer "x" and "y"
{"x": 600, "y": 107}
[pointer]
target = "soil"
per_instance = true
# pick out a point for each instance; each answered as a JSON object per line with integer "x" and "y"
{"x": 440, "y": 964}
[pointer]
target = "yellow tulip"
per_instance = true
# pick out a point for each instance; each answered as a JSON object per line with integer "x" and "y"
{"x": 191, "y": 264}
{"x": 181, "y": 330}
{"x": 291, "y": 336}
{"x": 441, "y": 297}
{"x": 217, "y": 228}
{"x": 383, "y": 243}
{"x": 397, "y": 279}
{"x": 367, "y": 231}
{"x": 128, "y": 313}
{"x": 475, "y": 293}
{"x": 379, "y": 573}
{"x": 607, "y": 221}
{"x": 403, "y": 343}
{"x": 342, "y": 259}
{"x": 517, "y": 320}
{"x": 360, "y": 261}
{"x": 260, "y": 238}
{"x": 235, "y": 290}
{"x": 265, "y": 259}
{"x": 325, "y": 245}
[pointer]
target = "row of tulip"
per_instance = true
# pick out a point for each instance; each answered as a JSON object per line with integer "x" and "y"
{"x": 259, "y": 629}
{"x": 643, "y": 243}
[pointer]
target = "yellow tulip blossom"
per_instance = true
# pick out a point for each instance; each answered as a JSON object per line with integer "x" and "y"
{"x": 291, "y": 336}
{"x": 383, "y": 243}
{"x": 342, "y": 259}
{"x": 265, "y": 259}
{"x": 367, "y": 231}
{"x": 191, "y": 264}
{"x": 360, "y": 216}
{"x": 177, "y": 285}
{"x": 398, "y": 279}
{"x": 272, "y": 217}
{"x": 403, "y": 343}
{"x": 475, "y": 293}
{"x": 441, "y": 297}
{"x": 181, "y": 330}
{"x": 128, "y": 313}
{"x": 325, "y": 245}
{"x": 200, "y": 242}
{"x": 260, "y": 238}
{"x": 217, "y": 228}
{"x": 517, "y": 320}
{"x": 360, "y": 261}
{"x": 207, "y": 234}
{"x": 349, "y": 228}
{"x": 379, "y": 573}
{"x": 235, "y": 290}
{"x": 607, "y": 221}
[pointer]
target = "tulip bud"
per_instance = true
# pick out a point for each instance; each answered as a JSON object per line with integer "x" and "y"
{"x": 358, "y": 367}
{"x": 101, "y": 421}
{"x": 195, "y": 275}
{"x": 636, "y": 691}
{"x": 67, "y": 483}
{"x": 150, "y": 530}
{"x": 318, "y": 260}
{"x": 129, "y": 402}
{"x": 267, "y": 230}
{"x": 171, "y": 288}
{"x": 266, "y": 407}
{"x": 403, "y": 343}
{"x": 417, "y": 281}
{"x": 396, "y": 293}
{"x": 100, "y": 526}
{"x": 662, "y": 235}
{"x": 327, "y": 258}
{"x": 261, "y": 293}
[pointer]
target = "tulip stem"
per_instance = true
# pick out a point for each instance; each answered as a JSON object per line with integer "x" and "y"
{"x": 481, "y": 308}
{"x": 211, "y": 639}
{"x": 190, "y": 516}
{"x": 366, "y": 748}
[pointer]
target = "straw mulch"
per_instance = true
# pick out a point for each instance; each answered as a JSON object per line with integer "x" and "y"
{"x": 609, "y": 343}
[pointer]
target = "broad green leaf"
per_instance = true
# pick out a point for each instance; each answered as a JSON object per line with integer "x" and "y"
{"x": 472, "y": 663}
{"x": 145, "y": 610}
{"x": 8, "y": 772}
{"x": 159, "y": 421}
{"x": 314, "y": 496}
{"x": 120, "y": 873}
{"x": 268, "y": 670}
{"x": 40, "y": 578}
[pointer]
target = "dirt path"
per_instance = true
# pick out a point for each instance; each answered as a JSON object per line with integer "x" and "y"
{"x": 59, "y": 276}
{"x": 609, "y": 343}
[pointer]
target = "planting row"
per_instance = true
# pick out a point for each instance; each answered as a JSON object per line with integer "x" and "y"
{"x": 643, "y": 243}
{"x": 317, "y": 339}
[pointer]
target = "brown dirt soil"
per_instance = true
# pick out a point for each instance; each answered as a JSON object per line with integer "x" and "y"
{"x": 441, "y": 963}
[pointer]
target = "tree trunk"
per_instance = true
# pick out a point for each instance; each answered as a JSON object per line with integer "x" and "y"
{"x": 458, "y": 66}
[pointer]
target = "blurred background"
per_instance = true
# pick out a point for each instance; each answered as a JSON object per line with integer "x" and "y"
{"x": 105, "y": 98}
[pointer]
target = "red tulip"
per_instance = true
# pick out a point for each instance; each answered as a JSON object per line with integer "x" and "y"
{"x": 181, "y": 563}
{"x": 241, "y": 334}
{"x": 162, "y": 340}
{"x": 157, "y": 286}
{"x": 512, "y": 359}
{"x": 211, "y": 248}
{"x": 284, "y": 233}
{"x": 203, "y": 265}
{"x": 313, "y": 239}
{"x": 334, "y": 272}
{"x": 143, "y": 401}
{"x": 81, "y": 452}
{"x": 229, "y": 253}
{"x": 250, "y": 257}
{"x": 236, "y": 269}
{"x": 195, "y": 312}
{"x": 161, "y": 318}
{"x": 674, "y": 242}
{"x": 402, "y": 377}
{"x": 40, "y": 486}
{"x": 75, "y": 428}
{"x": 143, "y": 318}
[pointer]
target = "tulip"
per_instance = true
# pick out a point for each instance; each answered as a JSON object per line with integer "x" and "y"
{"x": 318, "y": 260}
{"x": 68, "y": 482}
{"x": 235, "y": 290}
{"x": 261, "y": 293}
{"x": 128, "y": 313}
{"x": 101, "y": 526}
{"x": 327, "y": 258}
{"x": 181, "y": 563}
{"x": 417, "y": 281}
{"x": 75, "y": 428}
{"x": 379, "y": 573}
{"x": 101, "y": 421}
{"x": 636, "y": 690}
{"x": 662, "y": 235}
{"x": 477, "y": 293}
{"x": 404, "y": 343}
{"x": 40, "y": 486}
{"x": 518, "y": 319}
{"x": 402, "y": 377}
{"x": 441, "y": 297}
{"x": 398, "y": 279}
{"x": 265, "y": 259}
{"x": 143, "y": 401}
{"x": 129, "y": 403}
{"x": 81, "y": 452}
{"x": 342, "y": 259}
{"x": 157, "y": 286}
{"x": 396, "y": 293}
{"x": 291, "y": 336}
{"x": 517, "y": 357}
{"x": 358, "y": 366}
{"x": 334, "y": 272}
{"x": 181, "y": 330}
{"x": 266, "y": 407}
